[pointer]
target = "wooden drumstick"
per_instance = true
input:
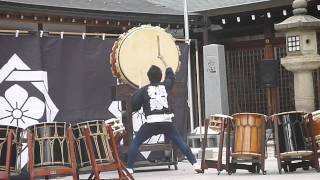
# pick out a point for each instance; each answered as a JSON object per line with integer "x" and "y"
{"x": 158, "y": 43}
{"x": 159, "y": 53}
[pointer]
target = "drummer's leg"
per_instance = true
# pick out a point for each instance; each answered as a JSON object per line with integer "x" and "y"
{"x": 175, "y": 137}
{"x": 144, "y": 133}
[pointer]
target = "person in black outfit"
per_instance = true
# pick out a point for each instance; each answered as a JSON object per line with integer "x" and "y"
{"x": 154, "y": 100}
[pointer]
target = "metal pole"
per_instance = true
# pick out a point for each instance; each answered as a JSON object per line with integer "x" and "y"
{"x": 186, "y": 36}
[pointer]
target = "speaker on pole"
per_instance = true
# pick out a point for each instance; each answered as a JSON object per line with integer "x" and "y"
{"x": 267, "y": 73}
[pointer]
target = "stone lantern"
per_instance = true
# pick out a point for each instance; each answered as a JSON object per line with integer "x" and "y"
{"x": 302, "y": 57}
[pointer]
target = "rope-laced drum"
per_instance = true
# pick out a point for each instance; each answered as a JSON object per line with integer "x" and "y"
{"x": 16, "y": 148}
{"x": 135, "y": 51}
{"x": 116, "y": 125}
{"x": 50, "y": 144}
{"x": 215, "y": 121}
{"x": 100, "y": 141}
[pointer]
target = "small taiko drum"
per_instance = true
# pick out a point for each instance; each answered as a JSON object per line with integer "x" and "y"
{"x": 316, "y": 125}
{"x": 136, "y": 50}
{"x": 50, "y": 144}
{"x": 116, "y": 125}
{"x": 249, "y": 132}
{"x": 100, "y": 140}
{"x": 216, "y": 120}
{"x": 15, "y": 162}
{"x": 292, "y": 134}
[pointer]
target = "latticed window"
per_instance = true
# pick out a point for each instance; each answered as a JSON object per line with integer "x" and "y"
{"x": 293, "y": 43}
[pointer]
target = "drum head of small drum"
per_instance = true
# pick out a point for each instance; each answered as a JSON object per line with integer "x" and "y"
{"x": 138, "y": 49}
{"x": 296, "y": 154}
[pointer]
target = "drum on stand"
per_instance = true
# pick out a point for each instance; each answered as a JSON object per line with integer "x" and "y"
{"x": 292, "y": 134}
{"x": 15, "y": 163}
{"x": 249, "y": 133}
{"x": 116, "y": 125}
{"x": 50, "y": 144}
{"x": 100, "y": 141}
{"x": 316, "y": 126}
{"x": 135, "y": 51}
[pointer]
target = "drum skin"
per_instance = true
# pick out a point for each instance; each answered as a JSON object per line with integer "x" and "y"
{"x": 135, "y": 51}
{"x": 16, "y": 148}
{"x": 51, "y": 147}
{"x": 249, "y": 134}
{"x": 316, "y": 125}
{"x": 291, "y": 129}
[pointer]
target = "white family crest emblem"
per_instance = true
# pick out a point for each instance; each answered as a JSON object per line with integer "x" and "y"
{"x": 158, "y": 97}
{"x": 17, "y": 107}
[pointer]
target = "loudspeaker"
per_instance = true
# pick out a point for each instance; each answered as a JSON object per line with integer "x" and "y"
{"x": 267, "y": 73}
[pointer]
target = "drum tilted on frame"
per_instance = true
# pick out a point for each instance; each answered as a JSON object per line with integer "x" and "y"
{"x": 135, "y": 51}
{"x": 292, "y": 134}
{"x": 15, "y": 162}
{"x": 50, "y": 145}
{"x": 316, "y": 125}
{"x": 248, "y": 138}
{"x": 99, "y": 139}
{"x": 116, "y": 125}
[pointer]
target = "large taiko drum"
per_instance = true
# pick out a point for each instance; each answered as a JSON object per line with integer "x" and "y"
{"x": 100, "y": 140}
{"x": 50, "y": 144}
{"x": 316, "y": 125}
{"x": 15, "y": 151}
{"x": 135, "y": 51}
{"x": 292, "y": 134}
{"x": 249, "y": 129}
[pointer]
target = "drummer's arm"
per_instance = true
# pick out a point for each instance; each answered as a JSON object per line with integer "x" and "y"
{"x": 169, "y": 78}
{"x": 137, "y": 100}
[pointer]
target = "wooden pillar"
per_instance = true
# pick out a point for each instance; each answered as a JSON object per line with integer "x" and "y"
{"x": 272, "y": 93}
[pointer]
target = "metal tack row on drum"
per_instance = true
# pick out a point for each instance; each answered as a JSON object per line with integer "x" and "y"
{"x": 296, "y": 136}
{"x": 59, "y": 148}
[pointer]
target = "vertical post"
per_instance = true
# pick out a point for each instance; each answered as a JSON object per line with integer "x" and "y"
{"x": 222, "y": 130}
{"x": 272, "y": 95}
{"x": 276, "y": 141}
{"x": 204, "y": 145}
{"x": 72, "y": 154}
{"x": 8, "y": 153}
{"x": 91, "y": 154}
{"x": 30, "y": 153}
{"x": 187, "y": 38}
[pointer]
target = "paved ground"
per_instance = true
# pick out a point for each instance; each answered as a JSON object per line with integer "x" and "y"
{"x": 185, "y": 172}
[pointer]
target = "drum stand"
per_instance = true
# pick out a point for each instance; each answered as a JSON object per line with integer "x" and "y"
{"x": 53, "y": 171}
{"x": 305, "y": 162}
{"x": 123, "y": 93}
{"x": 6, "y": 174}
{"x": 257, "y": 164}
{"x": 116, "y": 165}
{"x": 205, "y": 164}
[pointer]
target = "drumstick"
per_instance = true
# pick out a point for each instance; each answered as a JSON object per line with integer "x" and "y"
{"x": 158, "y": 43}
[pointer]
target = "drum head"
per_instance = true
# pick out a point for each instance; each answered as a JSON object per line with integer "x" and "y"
{"x": 296, "y": 154}
{"x": 134, "y": 53}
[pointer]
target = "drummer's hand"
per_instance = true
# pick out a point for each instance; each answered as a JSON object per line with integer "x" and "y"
{"x": 163, "y": 61}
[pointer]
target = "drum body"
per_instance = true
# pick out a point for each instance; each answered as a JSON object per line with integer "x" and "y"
{"x": 50, "y": 144}
{"x": 135, "y": 51}
{"x": 316, "y": 125}
{"x": 116, "y": 125}
{"x": 249, "y": 129}
{"x": 99, "y": 139}
{"x": 292, "y": 134}
{"x": 15, "y": 163}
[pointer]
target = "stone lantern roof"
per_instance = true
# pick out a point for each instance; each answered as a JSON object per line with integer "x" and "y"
{"x": 300, "y": 20}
